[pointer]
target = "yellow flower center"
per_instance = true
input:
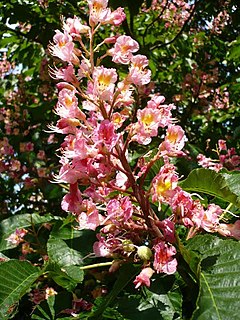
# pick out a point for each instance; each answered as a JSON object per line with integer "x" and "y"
{"x": 163, "y": 186}
{"x": 147, "y": 119}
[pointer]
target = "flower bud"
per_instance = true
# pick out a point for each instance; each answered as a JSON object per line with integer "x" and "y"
{"x": 128, "y": 246}
{"x": 144, "y": 253}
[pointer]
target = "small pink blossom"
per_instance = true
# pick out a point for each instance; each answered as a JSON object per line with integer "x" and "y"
{"x": 26, "y": 146}
{"x": 209, "y": 220}
{"x": 164, "y": 261}
{"x": 116, "y": 17}
{"x": 67, "y": 106}
{"x": 41, "y": 155}
{"x": 105, "y": 136}
{"x": 230, "y": 230}
{"x": 119, "y": 210}
{"x": 104, "y": 79}
{"x": 89, "y": 218}
{"x": 123, "y": 49}
{"x": 138, "y": 75}
{"x": 222, "y": 145}
{"x": 26, "y": 249}
{"x": 143, "y": 279}
{"x": 164, "y": 183}
{"x": 15, "y": 165}
{"x": 168, "y": 228}
{"x": 74, "y": 27}
{"x": 174, "y": 141}
{"x": 63, "y": 47}
{"x": 185, "y": 208}
{"x": 209, "y": 163}
{"x": 72, "y": 201}
{"x": 17, "y": 237}
{"x": 66, "y": 74}
{"x": 118, "y": 119}
{"x": 98, "y": 11}
{"x": 147, "y": 125}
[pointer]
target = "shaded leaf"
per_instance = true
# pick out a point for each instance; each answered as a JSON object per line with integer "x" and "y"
{"x": 126, "y": 274}
{"x": 16, "y": 277}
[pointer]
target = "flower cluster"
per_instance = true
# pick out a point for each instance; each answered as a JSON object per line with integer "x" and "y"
{"x": 104, "y": 116}
{"x": 227, "y": 158}
{"x": 175, "y": 12}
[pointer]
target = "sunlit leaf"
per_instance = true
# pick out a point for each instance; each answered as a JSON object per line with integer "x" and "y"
{"x": 212, "y": 183}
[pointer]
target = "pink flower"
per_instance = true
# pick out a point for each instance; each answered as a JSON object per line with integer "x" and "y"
{"x": 72, "y": 201}
{"x": 104, "y": 136}
{"x": 222, "y": 145}
{"x": 209, "y": 220}
{"x": 143, "y": 279}
{"x": 209, "y": 163}
{"x": 89, "y": 218}
{"x": 230, "y": 230}
{"x": 116, "y": 17}
{"x": 147, "y": 125}
{"x": 70, "y": 173}
{"x": 163, "y": 258}
{"x": 123, "y": 49}
{"x": 155, "y": 101}
{"x": 164, "y": 183}
{"x": 98, "y": 11}
{"x": 63, "y": 47}
{"x": 185, "y": 208}
{"x": 174, "y": 141}
{"x": 41, "y": 155}
{"x": 168, "y": 228}
{"x": 26, "y": 249}
{"x": 138, "y": 75}
{"x": 65, "y": 126}
{"x": 104, "y": 79}
{"x": 119, "y": 210}
{"x": 67, "y": 106}
{"x": 66, "y": 74}
{"x": 101, "y": 249}
{"x": 17, "y": 236}
{"x": 74, "y": 27}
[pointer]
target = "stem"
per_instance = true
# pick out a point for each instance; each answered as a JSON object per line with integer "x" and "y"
{"x": 97, "y": 265}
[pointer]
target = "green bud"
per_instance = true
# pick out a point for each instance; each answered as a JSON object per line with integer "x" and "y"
{"x": 144, "y": 253}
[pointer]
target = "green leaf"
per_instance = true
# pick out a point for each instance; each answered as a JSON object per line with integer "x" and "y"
{"x": 126, "y": 274}
{"x": 16, "y": 277}
{"x": 156, "y": 302}
{"x": 219, "y": 278}
{"x": 75, "y": 273}
{"x": 211, "y": 183}
{"x": 9, "y": 226}
{"x": 233, "y": 181}
{"x": 62, "y": 254}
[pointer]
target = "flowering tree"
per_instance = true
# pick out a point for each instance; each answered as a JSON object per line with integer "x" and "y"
{"x": 135, "y": 223}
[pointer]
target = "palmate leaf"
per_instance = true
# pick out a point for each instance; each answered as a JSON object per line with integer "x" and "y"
{"x": 212, "y": 183}
{"x": 16, "y": 277}
{"x": 9, "y": 225}
{"x": 219, "y": 278}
